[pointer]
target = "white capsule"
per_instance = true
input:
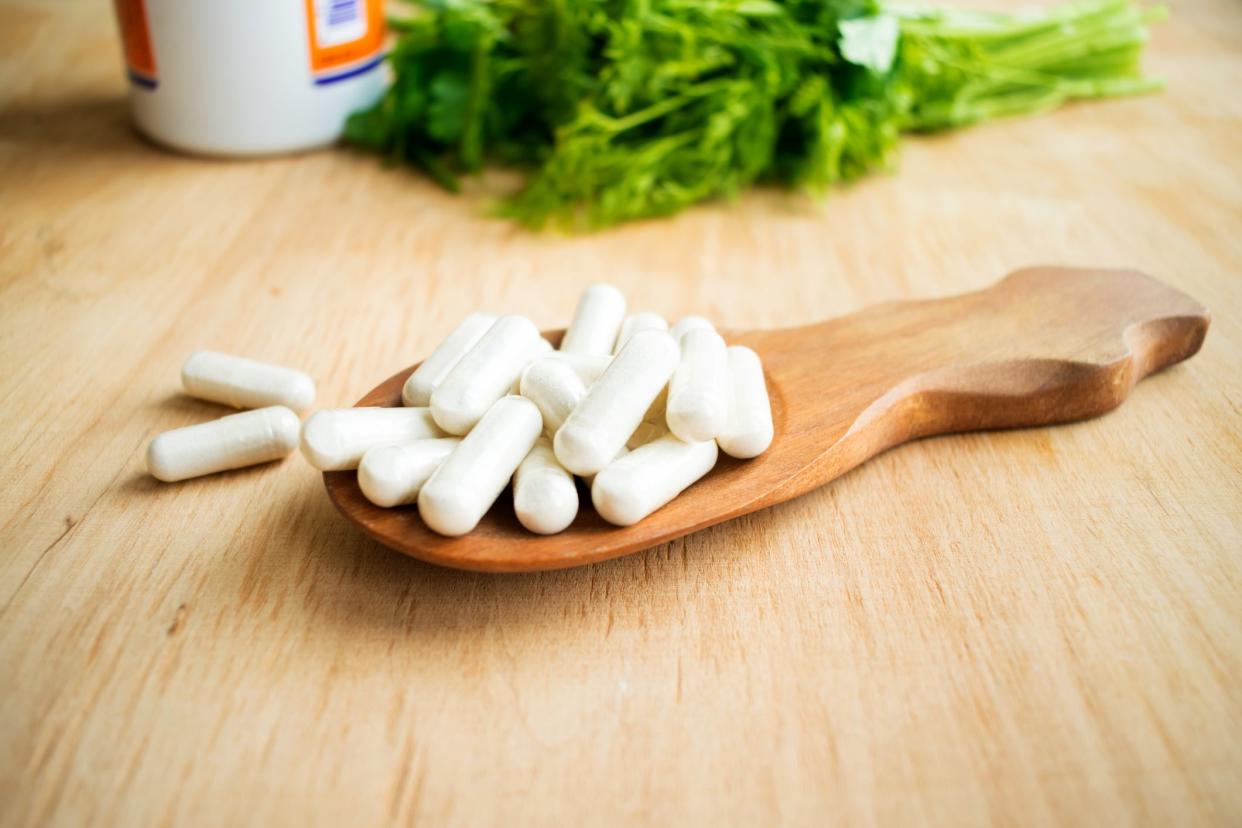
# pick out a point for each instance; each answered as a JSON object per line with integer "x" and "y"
{"x": 588, "y": 367}
{"x": 749, "y": 429}
{"x": 429, "y": 375}
{"x": 393, "y": 475}
{"x": 554, "y": 387}
{"x": 641, "y": 321}
{"x": 689, "y": 323}
{"x": 245, "y": 383}
{"x": 642, "y": 481}
{"x": 541, "y": 352}
{"x": 596, "y": 321}
{"x": 230, "y": 442}
{"x": 470, "y": 479}
{"x": 698, "y": 394}
{"x": 544, "y": 494}
{"x": 599, "y": 426}
{"x": 486, "y": 373}
{"x": 335, "y": 439}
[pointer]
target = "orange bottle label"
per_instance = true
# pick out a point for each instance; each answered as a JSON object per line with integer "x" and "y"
{"x": 131, "y": 16}
{"x": 346, "y": 37}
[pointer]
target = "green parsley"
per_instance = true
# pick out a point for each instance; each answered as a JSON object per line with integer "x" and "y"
{"x": 626, "y": 109}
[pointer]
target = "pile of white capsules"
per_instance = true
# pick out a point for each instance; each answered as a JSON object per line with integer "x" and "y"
{"x": 637, "y": 409}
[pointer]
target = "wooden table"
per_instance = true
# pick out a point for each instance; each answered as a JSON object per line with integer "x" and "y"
{"x": 1027, "y": 627}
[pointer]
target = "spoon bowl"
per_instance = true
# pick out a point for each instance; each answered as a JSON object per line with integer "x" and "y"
{"x": 1043, "y": 346}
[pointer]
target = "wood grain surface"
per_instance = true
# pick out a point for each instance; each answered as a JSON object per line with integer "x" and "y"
{"x": 1028, "y": 627}
{"x": 1044, "y": 346}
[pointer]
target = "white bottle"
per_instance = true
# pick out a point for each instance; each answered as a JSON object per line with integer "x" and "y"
{"x": 238, "y": 77}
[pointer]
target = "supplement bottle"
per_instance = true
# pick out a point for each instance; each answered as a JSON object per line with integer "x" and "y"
{"x": 250, "y": 77}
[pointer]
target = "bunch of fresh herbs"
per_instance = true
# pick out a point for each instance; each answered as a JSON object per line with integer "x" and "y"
{"x": 624, "y": 109}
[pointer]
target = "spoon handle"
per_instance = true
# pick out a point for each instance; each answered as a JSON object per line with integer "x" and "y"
{"x": 1045, "y": 345}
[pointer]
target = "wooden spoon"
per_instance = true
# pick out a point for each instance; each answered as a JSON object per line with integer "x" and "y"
{"x": 1045, "y": 345}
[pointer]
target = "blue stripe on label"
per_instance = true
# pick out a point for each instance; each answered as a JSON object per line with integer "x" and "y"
{"x": 360, "y": 69}
{"x": 144, "y": 81}
{"x": 342, "y": 11}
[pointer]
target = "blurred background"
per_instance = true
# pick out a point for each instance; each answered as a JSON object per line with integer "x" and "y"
{"x": 1026, "y": 627}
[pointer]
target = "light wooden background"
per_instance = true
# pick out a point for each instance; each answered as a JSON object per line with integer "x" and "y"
{"x": 1037, "y": 627}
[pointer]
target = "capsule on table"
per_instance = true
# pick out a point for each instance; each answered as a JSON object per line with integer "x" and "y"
{"x": 555, "y": 389}
{"x": 698, "y": 394}
{"x": 231, "y": 442}
{"x": 335, "y": 439}
{"x": 635, "y": 485}
{"x": 596, "y": 322}
{"x": 545, "y": 496}
{"x": 486, "y": 373}
{"x": 394, "y": 475}
{"x": 470, "y": 479}
{"x": 748, "y": 432}
{"x": 588, "y": 367}
{"x": 690, "y": 323}
{"x": 612, "y": 408}
{"x": 429, "y": 375}
{"x": 641, "y": 321}
{"x": 245, "y": 383}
